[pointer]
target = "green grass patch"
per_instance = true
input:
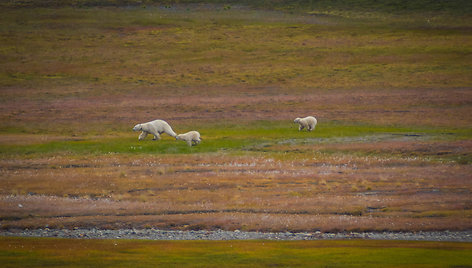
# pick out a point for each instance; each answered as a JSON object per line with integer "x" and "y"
{"x": 255, "y": 136}
{"x": 41, "y": 252}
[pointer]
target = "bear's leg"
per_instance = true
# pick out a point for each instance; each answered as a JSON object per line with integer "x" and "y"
{"x": 155, "y": 134}
{"x": 300, "y": 128}
{"x": 189, "y": 143}
{"x": 142, "y": 135}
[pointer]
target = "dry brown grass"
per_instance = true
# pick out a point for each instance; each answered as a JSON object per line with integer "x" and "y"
{"x": 252, "y": 192}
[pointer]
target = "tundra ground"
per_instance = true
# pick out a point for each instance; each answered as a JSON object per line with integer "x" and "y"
{"x": 392, "y": 149}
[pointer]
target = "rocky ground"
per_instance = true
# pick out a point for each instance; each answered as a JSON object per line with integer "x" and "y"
{"x": 155, "y": 234}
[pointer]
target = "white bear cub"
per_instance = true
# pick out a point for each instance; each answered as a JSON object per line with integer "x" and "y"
{"x": 308, "y": 122}
{"x": 191, "y": 137}
{"x": 156, "y": 128}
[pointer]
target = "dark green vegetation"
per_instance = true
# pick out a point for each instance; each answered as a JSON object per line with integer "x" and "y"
{"x": 31, "y": 252}
{"x": 409, "y": 6}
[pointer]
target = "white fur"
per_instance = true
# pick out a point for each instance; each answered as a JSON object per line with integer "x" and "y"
{"x": 308, "y": 122}
{"x": 156, "y": 128}
{"x": 191, "y": 137}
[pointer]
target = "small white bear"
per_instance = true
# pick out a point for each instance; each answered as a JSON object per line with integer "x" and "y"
{"x": 156, "y": 128}
{"x": 191, "y": 137}
{"x": 308, "y": 122}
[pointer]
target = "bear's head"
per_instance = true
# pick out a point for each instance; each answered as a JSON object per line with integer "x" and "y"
{"x": 137, "y": 127}
{"x": 296, "y": 120}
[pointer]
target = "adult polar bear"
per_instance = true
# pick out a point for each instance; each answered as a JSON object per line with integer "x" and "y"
{"x": 156, "y": 128}
{"x": 308, "y": 122}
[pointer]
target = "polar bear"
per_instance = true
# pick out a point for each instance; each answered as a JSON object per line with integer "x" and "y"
{"x": 308, "y": 122}
{"x": 156, "y": 128}
{"x": 191, "y": 137}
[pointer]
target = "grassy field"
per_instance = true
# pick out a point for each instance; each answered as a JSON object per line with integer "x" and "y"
{"x": 391, "y": 90}
{"x": 31, "y": 252}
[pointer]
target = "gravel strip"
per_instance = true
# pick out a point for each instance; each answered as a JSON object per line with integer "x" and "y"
{"x": 155, "y": 234}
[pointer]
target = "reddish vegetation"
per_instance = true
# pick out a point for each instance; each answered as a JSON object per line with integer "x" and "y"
{"x": 425, "y": 107}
